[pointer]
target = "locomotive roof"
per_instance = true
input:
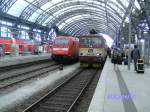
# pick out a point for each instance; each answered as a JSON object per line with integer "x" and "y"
{"x": 75, "y": 38}
{"x": 91, "y": 36}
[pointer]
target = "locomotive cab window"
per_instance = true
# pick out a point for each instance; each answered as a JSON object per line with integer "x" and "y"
{"x": 60, "y": 41}
{"x": 90, "y": 41}
{"x": 96, "y": 41}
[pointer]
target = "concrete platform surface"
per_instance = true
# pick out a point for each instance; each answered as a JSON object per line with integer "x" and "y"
{"x": 121, "y": 90}
{"x": 7, "y": 61}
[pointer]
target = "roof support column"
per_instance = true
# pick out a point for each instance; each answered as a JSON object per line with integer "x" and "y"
{"x": 129, "y": 52}
{"x": 30, "y": 33}
{"x": 148, "y": 19}
{"x": 15, "y": 31}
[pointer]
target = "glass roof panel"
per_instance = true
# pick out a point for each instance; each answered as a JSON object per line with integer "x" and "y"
{"x": 124, "y": 2}
{"x": 137, "y": 5}
{"x": 17, "y": 8}
{"x": 45, "y": 22}
{"x": 80, "y": 7}
{"x": 56, "y": 1}
{"x": 60, "y": 26}
{"x": 83, "y": 16}
{"x": 29, "y": 0}
{"x": 34, "y": 16}
{"x": 87, "y": 8}
{"x": 21, "y": 4}
{"x": 47, "y": 5}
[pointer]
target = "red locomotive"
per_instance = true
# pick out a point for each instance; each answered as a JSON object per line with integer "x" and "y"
{"x": 65, "y": 48}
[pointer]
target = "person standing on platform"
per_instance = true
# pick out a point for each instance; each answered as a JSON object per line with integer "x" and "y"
{"x": 109, "y": 52}
{"x": 126, "y": 53}
{"x": 135, "y": 55}
{"x": 114, "y": 57}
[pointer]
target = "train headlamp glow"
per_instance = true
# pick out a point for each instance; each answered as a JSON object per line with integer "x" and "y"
{"x": 98, "y": 54}
{"x": 81, "y": 53}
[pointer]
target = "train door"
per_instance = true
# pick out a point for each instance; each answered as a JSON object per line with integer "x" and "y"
{"x": 21, "y": 49}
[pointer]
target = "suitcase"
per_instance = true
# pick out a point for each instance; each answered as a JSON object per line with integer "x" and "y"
{"x": 140, "y": 66}
{"x": 120, "y": 60}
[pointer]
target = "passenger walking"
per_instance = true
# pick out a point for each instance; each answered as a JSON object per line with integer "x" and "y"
{"x": 109, "y": 52}
{"x": 114, "y": 57}
{"x": 1, "y": 51}
{"x": 135, "y": 55}
{"x": 126, "y": 53}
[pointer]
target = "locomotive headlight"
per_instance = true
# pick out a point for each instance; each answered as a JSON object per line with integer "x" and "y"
{"x": 81, "y": 53}
{"x": 98, "y": 54}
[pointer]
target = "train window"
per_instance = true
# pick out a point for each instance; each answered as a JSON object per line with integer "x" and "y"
{"x": 96, "y": 41}
{"x": 61, "y": 41}
{"x": 20, "y": 46}
{"x": 82, "y": 41}
{"x": 90, "y": 41}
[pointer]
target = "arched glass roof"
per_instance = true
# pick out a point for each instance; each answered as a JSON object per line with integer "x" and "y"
{"x": 76, "y": 17}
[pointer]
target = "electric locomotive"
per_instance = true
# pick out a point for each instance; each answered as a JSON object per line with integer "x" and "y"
{"x": 92, "y": 50}
{"x": 65, "y": 49}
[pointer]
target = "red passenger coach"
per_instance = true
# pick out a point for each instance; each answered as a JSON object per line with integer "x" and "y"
{"x": 7, "y": 45}
{"x": 65, "y": 48}
{"x": 21, "y": 46}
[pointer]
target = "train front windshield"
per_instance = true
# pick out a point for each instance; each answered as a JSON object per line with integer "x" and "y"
{"x": 90, "y": 41}
{"x": 61, "y": 41}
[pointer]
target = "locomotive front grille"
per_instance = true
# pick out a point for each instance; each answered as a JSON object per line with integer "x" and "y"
{"x": 90, "y": 59}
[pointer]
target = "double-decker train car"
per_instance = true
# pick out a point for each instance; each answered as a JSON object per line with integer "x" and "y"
{"x": 20, "y": 45}
{"x": 92, "y": 50}
{"x": 65, "y": 48}
{"x": 7, "y": 45}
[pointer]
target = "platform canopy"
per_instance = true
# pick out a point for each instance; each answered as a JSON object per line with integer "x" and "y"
{"x": 76, "y": 17}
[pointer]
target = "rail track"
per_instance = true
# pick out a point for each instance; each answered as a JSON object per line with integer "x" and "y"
{"x": 64, "y": 97}
{"x": 22, "y": 65}
{"x": 25, "y": 74}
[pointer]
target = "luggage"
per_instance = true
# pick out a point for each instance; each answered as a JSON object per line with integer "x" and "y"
{"x": 114, "y": 58}
{"x": 119, "y": 59}
{"x": 125, "y": 61}
{"x": 120, "y": 62}
{"x": 140, "y": 66}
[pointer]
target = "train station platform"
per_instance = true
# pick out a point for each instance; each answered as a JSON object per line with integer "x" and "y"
{"x": 121, "y": 90}
{"x": 8, "y": 60}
